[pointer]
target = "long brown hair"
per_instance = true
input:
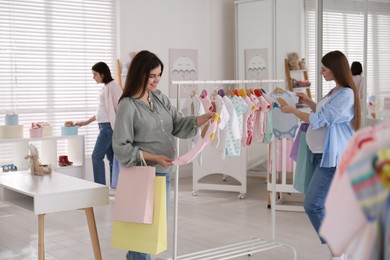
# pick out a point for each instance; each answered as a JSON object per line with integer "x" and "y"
{"x": 138, "y": 74}
{"x": 338, "y": 64}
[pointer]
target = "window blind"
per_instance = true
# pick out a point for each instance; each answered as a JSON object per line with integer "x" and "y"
{"x": 343, "y": 29}
{"x": 47, "y": 49}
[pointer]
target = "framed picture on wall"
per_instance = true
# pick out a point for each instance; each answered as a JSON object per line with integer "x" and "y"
{"x": 256, "y": 67}
{"x": 183, "y": 65}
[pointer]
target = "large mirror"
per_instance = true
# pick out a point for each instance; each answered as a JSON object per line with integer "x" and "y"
{"x": 268, "y": 29}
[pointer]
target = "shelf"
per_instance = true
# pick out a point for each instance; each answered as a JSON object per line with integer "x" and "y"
{"x": 292, "y": 74}
{"x": 44, "y": 138}
{"x": 50, "y": 148}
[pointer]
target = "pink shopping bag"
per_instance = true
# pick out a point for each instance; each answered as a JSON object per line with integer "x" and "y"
{"x": 135, "y": 195}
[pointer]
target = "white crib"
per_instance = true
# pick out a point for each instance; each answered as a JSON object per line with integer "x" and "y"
{"x": 235, "y": 167}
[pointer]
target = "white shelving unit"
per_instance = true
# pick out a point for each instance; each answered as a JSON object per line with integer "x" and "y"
{"x": 50, "y": 148}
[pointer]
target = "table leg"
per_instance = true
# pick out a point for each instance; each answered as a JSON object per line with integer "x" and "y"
{"x": 41, "y": 237}
{"x": 93, "y": 233}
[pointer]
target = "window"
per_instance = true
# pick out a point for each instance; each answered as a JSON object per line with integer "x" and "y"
{"x": 343, "y": 29}
{"x": 47, "y": 49}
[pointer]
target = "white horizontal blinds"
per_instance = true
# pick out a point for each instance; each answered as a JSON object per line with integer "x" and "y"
{"x": 47, "y": 49}
{"x": 343, "y": 29}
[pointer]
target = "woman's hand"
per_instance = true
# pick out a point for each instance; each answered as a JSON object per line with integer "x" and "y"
{"x": 303, "y": 98}
{"x": 163, "y": 160}
{"x": 81, "y": 123}
{"x": 86, "y": 122}
{"x": 200, "y": 120}
{"x": 284, "y": 107}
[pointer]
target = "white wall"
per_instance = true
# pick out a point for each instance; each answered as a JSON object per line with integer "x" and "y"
{"x": 290, "y": 31}
{"x": 209, "y": 27}
{"x": 205, "y": 25}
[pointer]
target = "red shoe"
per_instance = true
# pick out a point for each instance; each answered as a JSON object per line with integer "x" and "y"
{"x": 63, "y": 161}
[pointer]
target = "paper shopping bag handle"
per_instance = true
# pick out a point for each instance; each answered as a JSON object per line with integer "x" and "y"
{"x": 141, "y": 156}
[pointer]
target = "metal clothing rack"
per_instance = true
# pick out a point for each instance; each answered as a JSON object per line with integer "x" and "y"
{"x": 239, "y": 249}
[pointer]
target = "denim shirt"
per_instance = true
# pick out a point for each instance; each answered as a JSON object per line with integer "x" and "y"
{"x": 336, "y": 115}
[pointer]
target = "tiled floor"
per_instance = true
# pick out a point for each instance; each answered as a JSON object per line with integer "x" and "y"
{"x": 209, "y": 220}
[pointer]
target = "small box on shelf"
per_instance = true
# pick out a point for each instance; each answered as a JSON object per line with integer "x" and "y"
{"x": 69, "y": 130}
{"x": 36, "y": 132}
{"x": 11, "y": 131}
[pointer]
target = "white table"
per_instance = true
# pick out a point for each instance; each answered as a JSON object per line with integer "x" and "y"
{"x": 55, "y": 192}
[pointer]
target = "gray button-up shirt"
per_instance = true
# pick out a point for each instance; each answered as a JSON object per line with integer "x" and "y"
{"x": 151, "y": 129}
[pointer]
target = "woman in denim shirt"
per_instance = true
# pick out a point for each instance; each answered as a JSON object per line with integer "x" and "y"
{"x": 332, "y": 123}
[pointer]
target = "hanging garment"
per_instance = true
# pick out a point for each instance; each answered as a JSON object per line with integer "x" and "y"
{"x": 248, "y": 113}
{"x": 206, "y": 137}
{"x": 284, "y": 124}
{"x": 260, "y": 126}
{"x": 206, "y": 102}
{"x": 231, "y": 128}
{"x": 304, "y": 167}
{"x": 220, "y": 108}
{"x": 269, "y": 129}
{"x": 233, "y": 145}
{"x": 280, "y": 153}
{"x": 252, "y": 118}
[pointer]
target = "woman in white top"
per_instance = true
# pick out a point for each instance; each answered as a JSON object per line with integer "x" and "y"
{"x": 357, "y": 70}
{"x": 105, "y": 116}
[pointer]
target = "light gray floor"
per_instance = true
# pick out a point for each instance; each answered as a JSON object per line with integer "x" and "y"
{"x": 209, "y": 220}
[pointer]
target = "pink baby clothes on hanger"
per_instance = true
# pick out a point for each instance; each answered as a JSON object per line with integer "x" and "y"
{"x": 261, "y": 120}
{"x": 206, "y": 137}
{"x": 206, "y": 102}
{"x": 251, "y": 108}
{"x": 252, "y": 118}
{"x": 279, "y": 156}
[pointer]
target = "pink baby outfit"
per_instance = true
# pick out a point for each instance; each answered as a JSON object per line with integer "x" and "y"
{"x": 206, "y": 137}
{"x": 260, "y": 127}
{"x": 246, "y": 117}
{"x": 206, "y": 102}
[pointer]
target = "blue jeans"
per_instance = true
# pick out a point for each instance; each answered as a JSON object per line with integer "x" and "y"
{"x": 103, "y": 147}
{"x": 142, "y": 256}
{"x": 317, "y": 192}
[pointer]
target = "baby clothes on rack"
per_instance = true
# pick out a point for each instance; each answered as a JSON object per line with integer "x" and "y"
{"x": 282, "y": 153}
{"x": 232, "y": 128}
{"x": 247, "y": 132}
{"x": 252, "y": 128}
{"x": 206, "y": 137}
{"x": 260, "y": 123}
{"x": 284, "y": 125}
{"x": 206, "y": 102}
{"x": 193, "y": 106}
{"x": 233, "y": 144}
{"x": 220, "y": 108}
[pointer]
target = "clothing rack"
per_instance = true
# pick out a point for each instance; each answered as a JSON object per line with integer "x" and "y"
{"x": 239, "y": 249}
